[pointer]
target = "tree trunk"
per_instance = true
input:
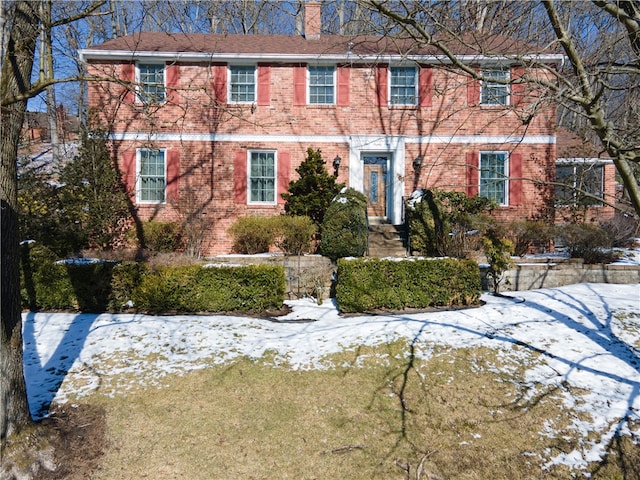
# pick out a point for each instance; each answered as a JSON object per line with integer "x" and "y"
{"x": 16, "y": 80}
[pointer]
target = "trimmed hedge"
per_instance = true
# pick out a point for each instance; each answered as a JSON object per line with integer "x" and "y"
{"x": 190, "y": 289}
{"x": 372, "y": 284}
{"x": 109, "y": 286}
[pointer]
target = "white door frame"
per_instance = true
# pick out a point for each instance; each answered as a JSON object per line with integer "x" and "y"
{"x": 360, "y": 145}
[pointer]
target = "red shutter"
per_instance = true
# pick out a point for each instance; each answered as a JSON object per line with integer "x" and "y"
{"x": 515, "y": 180}
{"x": 382, "y": 85}
{"x": 173, "y": 176}
{"x": 128, "y": 169}
{"x": 344, "y": 77}
{"x": 240, "y": 177}
{"x": 220, "y": 83}
{"x": 517, "y": 89}
{"x": 473, "y": 91}
{"x": 472, "y": 173}
{"x": 264, "y": 84}
{"x": 173, "y": 77}
{"x": 300, "y": 85}
{"x": 425, "y": 89}
{"x": 128, "y": 73}
{"x": 284, "y": 171}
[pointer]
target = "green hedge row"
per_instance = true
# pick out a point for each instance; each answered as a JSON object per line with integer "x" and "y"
{"x": 371, "y": 284}
{"x": 110, "y": 286}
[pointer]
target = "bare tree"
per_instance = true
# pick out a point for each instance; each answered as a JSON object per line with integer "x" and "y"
{"x": 599, "y": 81}
{"x": 21, "y": 24}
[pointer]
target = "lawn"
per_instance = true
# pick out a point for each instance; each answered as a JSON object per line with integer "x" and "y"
{"x": 542, "y": 384}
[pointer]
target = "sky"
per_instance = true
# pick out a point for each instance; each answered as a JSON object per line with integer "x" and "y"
{"x": 588, "y": 336}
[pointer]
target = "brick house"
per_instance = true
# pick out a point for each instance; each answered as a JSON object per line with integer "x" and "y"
{"x": 213, "y": 126}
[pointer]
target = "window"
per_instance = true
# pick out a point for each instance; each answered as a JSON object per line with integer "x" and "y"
{"x": 152, "y": 175}
{"x": 403, "y": 86}
{"x": 493, "y": 176}
{"x": 242, "y": 84}
{"x": 578, "y": 184}
{"x": 151, "y": 80}
{"x": 322, "y": 85}
{"x": 495, "y": 90}
{"x": 262, "y": 177}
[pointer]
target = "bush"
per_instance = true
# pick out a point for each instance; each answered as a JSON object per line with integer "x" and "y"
{"x": 623, "y": 229}
{"x": 586, "y": 241}
{"x": 498, "y": 251}
{"x": 312, "y": 193}
{"x": 446, "y": 223}
{"x": 529, "y": 235}
{"x": 253, "y": 234}
{"x": 293, "y": 234}
{"x": 252, "y": 288}
{"x": 371, "y": 284}
{"x": 162, "y": 237}
{"x": 345, "y": 229}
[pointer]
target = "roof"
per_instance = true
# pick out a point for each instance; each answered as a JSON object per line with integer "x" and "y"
{"x": 160, "y": 44}
{"x": 572, "y": 146}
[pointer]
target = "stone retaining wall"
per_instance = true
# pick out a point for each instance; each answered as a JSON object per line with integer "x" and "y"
{"x": 545, "y": 273}
{"x": 312, "y": 275}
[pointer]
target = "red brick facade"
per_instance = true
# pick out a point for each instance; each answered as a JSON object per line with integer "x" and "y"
{"x": 207, "y": 139}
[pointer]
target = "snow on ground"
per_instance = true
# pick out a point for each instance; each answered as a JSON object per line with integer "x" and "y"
{"x": 588, "y": 334}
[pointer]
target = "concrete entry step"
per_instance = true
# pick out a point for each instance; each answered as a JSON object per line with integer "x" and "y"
{"x": 387, "y": 240}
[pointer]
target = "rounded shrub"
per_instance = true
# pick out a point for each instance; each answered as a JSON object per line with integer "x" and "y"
{"x": 344, "y": 228}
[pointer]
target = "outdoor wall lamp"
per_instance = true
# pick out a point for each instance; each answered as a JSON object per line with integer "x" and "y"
{"x": 336, "y": 164}
{"x": 417, "y": 162}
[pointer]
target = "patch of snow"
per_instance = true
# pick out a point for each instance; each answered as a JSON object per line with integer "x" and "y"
{"x": 585, "y": 336}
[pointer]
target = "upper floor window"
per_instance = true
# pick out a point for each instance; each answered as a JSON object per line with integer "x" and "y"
{"x": 579, "y": 184}
{"x": 403, "y": 86}
{"x": 494, "y": 173}
{"x": 262, "y": 177}
{"x": 152, "y": 175}
{"x": 322, "y": 85}
{"x": 495, "y": 87}
{"x": 152, "y": 82}
{"x": 242, "y": 84}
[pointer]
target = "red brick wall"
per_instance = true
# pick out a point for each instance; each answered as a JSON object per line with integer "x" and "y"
{"x": 206, "y": 169}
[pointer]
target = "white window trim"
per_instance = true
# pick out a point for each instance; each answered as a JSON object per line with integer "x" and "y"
{"x": 139, "y": 177}
{"x": 416, "y": 87}
{"x": 139, "y": 82}
{"x": 275, "y": 177}
{"x": 484, "y": 84}
{"x": 507, "y": 166}
{"x": 255, "y": 84}
{"x": 335, "y": 85}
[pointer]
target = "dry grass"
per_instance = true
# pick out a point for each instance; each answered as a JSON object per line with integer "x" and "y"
{"x": 381, "y": 414}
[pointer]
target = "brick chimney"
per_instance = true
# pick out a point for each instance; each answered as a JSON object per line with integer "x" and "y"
{"x": 312, "y": 20}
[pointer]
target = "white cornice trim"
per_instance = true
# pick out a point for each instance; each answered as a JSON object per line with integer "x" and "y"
{"x": 346, "y": 139}
{"x": 209, "y": 57}
{"x": 589, "y": 160}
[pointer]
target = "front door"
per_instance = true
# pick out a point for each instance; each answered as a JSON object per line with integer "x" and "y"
{"x": 376, "y": 168}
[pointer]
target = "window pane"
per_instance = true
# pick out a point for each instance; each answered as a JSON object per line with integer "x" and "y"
{"x": 321, "y": 87}
{"x": 579, "y": 184}
{"x": 493, "y": 176}
{"x": 403, "y": 86}
{"x": 243, "y": 84}
{"x": 262, "y": 177}
{"x": 151, "y": 83}
{"x": 152, "y": 176}
{"x": 495, "y": 93}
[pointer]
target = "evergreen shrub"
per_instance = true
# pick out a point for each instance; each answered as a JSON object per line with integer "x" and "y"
{"x": 365, "y": 285}
{"x": 345, "y": 227}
